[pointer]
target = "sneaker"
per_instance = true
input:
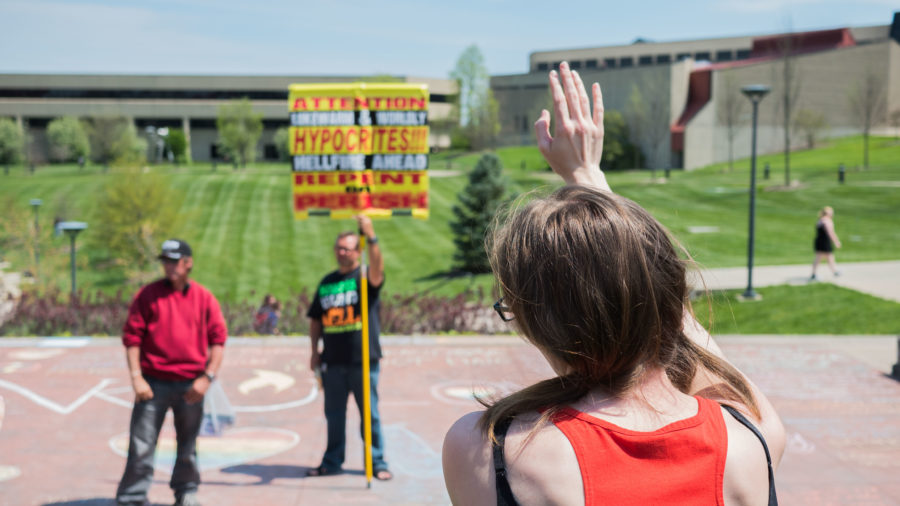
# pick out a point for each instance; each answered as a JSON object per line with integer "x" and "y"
{"x": 837, "y": 273}
{"x": 812, "y": 278}
{"x": 189, "y": 499}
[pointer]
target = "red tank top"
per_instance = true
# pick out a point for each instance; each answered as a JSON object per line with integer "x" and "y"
{"x": 681, "y": 463}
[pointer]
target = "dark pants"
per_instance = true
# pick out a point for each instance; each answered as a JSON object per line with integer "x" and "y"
{"x": 146, "y": 421}
{"x": 337, "y": 383}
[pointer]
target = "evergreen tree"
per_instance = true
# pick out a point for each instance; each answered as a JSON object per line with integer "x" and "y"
{"x": 478, "y": 203}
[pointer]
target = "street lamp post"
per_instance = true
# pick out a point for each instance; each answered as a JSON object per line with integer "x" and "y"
{"x": 36, "y": 204}
{"x": 755, "y": 92}
{"x": 72, "y": 228}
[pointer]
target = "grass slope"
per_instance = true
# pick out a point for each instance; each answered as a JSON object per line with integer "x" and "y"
{"x": 246, "y": 241}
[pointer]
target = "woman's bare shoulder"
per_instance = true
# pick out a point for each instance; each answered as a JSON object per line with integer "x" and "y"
{"x": 746, "y": 480}
{"x": 466, "y": 459}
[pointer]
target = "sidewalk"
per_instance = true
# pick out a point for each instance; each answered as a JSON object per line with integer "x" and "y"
{"x": 881, "y": 279}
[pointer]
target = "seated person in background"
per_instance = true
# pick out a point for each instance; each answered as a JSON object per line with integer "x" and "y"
{"x": 644, "y": 407}
{"x": 262, "y": 314}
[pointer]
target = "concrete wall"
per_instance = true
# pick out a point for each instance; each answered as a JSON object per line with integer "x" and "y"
{"x": 521, "y": 98}
{"x": 826, "y": 80}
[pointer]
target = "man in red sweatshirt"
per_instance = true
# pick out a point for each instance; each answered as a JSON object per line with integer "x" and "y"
{"x": 174, "y": 341}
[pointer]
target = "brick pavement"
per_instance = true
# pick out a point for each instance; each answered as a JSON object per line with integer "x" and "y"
{"x": 63, "y": 429}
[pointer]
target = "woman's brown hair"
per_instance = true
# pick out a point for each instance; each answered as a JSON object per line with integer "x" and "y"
{"x": 594, "y": 282}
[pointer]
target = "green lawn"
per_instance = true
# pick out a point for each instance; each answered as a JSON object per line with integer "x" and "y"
{"x": 246, "y": 241}
{"x": 818, "y": 308}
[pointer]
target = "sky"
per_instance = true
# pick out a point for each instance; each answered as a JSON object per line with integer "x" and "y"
{"x": 418, "y": 38}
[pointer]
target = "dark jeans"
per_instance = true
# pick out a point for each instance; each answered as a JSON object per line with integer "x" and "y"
{"x": 146, "y": 421}
{"x": 338, "y": 381}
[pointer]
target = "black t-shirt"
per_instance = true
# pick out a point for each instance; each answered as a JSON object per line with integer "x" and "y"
{"x": 338, "y": 306}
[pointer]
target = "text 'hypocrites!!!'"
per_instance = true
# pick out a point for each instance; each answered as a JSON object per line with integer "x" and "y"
{"x": 356, "y": 139}
{"x": 350, "y": 103}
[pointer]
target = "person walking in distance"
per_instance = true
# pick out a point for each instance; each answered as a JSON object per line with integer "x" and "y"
{"x": 335, "y": 319}
{"x": 174, "y": 341}
{"x": 825, "y": 242}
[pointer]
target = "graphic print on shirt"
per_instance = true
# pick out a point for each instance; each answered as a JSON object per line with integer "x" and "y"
{"x": 339, "y": 305}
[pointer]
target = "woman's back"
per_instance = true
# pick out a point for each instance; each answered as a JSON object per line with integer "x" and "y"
{"x": 661, "y": 447}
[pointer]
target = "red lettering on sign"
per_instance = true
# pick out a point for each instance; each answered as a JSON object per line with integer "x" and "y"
{"x": 386, "y": 178}
{"x": 365, "y": 139}
{"x": 299, "y": 138}
{"x": 338, "y": 140}
{"x": 326, "y": 136}
{"x": 392, "y": 139}
{"x": 404, "y": 140}
{"x": 352, "y": 144}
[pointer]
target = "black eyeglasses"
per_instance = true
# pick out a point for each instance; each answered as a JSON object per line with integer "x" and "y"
{"x": 504, "y": 311}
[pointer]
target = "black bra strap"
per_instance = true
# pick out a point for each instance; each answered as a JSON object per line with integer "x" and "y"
{"x": 504, "y": 493}
{"x": 773, "y": 500}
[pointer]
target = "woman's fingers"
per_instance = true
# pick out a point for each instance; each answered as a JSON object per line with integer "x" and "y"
{"x": 560, "y": 110}
{"x": 598, "y": 106}
{"x": 571, "y": 93}
{"x": 583, "y": 100}
{"x": 542, "y": 133}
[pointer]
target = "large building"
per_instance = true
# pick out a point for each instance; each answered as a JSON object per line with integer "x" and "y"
{"x": 687, "y": 87}
{"x": 187, "y": 102}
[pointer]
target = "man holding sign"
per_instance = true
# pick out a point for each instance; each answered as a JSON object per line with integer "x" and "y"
{"x": 335, "y": 318}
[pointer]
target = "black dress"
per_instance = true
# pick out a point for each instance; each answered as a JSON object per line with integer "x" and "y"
{"x": 823, "y": 242}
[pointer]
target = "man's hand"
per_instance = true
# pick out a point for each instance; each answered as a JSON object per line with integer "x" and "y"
{"x": 198, "y": 390}
{"x": 315, "y": 361}
{"x": 142, "y": 389}
{"x": 365, "y": 225}
{"x": 576, "y": 146}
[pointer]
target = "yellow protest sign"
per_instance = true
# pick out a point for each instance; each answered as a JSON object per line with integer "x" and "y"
{"x": 360, "y": 147}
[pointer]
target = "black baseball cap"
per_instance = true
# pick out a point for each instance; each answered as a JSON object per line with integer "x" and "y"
{"x": 174, "y": 249}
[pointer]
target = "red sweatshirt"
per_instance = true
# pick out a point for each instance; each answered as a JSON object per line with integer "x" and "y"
{"x": 174, "y": 329}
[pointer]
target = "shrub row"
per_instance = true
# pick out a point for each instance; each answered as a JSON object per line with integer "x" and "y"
{"x": 58, "y": 314}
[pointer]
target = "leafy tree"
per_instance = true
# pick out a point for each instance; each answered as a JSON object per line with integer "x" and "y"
{"x": 239, "y": 130}
{"x": 282, "y": 140}
{"x": 475, "y": 106}
{"x": 12, "y": 143}
{"x": 810, "y": 123}
{"x": 866, "y": 101}
{"x": 618, "y": 149}
{"x": 68, "y": 139}
{"x": 637, "y": 118}
{"x": 114, "y": 139}
{"x": 138, "y": 212}
{"x": 176, "y": 143}
{"x": 478, "y": 203}
{"x": 731, "y": 113}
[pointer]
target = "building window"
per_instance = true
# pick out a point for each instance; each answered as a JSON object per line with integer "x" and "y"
{"x": 626, "y": 61}
{"x": 663, "y": 58}
{"x": 609, "y": 63}
{"x": 702, "y": 55}
{"x": 556, "y": 65}
{"x": 575, "y": 64}
{"x": 725, "y": 55}
{"x": 645, "y": 60}
{"x": 591, "y": 64}
{"x": 743, "y": 54}
{"x": 683, "y": 56}
{"x": 543, "y": 67}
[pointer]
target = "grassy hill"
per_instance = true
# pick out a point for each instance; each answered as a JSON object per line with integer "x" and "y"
{"x": 247, "y": 243}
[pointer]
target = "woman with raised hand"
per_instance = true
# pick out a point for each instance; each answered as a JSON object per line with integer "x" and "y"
{"x": 644, "y": 408}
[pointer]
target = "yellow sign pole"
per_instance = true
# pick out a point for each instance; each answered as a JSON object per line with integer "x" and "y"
{"x": 367, "y": 388}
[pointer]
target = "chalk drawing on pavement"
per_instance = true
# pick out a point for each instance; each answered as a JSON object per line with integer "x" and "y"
{"x": 235, "y": 446}
{"x": 465, "y": 392}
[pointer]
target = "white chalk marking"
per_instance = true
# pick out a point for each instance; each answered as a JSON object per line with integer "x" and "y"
{"x": 264, "y": 378}
{"x": 47, "y": 403}
{"x": 278, "y": 407}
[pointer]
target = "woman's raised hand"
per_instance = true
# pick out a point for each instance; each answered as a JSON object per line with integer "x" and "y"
{"x": 575, "y": 148}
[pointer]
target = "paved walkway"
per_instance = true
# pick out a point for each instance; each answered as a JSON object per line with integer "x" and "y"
{"x": 881, "y": 279}
{"x": 67, "y": 402}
